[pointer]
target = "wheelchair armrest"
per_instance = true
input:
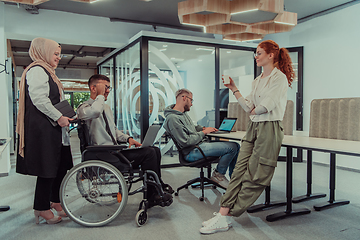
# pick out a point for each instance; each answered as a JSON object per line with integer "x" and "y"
{"x": 101, "y": 148}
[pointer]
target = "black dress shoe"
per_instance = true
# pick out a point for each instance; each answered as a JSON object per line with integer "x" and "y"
{"x": 162, "y": 201}
{"x": 167, "y": 188}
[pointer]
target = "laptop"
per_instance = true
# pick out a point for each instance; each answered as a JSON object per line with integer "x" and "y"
{"x": 226, "y": 125}
{"x": 149, "y": 136}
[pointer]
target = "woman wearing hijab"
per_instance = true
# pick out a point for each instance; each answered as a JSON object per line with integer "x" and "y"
{"x": 44, "y": 149}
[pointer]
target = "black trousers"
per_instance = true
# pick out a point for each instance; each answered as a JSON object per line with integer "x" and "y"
{"x": 147, "y": 158}
{"x": 47, "y": 189}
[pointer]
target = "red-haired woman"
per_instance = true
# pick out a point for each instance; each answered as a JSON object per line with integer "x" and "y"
{"x": 260, "y": 147}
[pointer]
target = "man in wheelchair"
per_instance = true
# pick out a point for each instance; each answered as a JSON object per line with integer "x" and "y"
{"x": 103, "y": 131}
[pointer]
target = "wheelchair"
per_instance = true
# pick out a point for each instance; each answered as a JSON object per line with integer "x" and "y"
{"x": 94, "y": 192}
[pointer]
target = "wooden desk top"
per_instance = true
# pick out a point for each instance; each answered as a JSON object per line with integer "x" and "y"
{"x": 344, "y": 147}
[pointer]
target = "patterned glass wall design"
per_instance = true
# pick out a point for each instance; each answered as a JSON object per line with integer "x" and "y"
{"x": 128, "y": 91}
{"x": 107, "y": 70}
{"x": 164, "y": 79}
{"x": 176, "y": 65}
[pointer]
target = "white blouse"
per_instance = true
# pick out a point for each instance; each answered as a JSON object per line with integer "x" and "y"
{"x": 269, "y": 92}
{"x": 37, "y": 80}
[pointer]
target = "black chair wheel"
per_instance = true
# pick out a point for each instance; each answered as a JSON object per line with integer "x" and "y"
{"x": 176, "y": 194}
{"x": 141, "y": 217}
{"x": 201, "y": 199}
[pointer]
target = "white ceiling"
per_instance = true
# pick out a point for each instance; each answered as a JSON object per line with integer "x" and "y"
{"x": 158, "y": 13}
{"x": 165, "y": 12}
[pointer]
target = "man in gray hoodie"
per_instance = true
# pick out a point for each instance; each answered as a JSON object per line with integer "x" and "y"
{"x": 180, "y": 126}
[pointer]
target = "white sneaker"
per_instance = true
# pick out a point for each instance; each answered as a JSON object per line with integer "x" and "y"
{"x": 220, "y": 179}
{"x": 228, "y": 219}
{"x": 215, "y": 224}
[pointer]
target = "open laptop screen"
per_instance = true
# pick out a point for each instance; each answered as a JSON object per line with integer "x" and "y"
{"x": 227, "y": 124}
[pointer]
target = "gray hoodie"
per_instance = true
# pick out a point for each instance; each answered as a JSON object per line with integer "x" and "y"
{"x": 181, "y": 127}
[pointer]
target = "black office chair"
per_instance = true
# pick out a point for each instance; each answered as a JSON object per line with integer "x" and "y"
{"x": 201, "y": 163}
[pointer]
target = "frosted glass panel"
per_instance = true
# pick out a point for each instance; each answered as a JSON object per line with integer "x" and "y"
{"x": 128, "y": 91}
{"x": 173, "y": 66}
{"x": 107, "y": 70}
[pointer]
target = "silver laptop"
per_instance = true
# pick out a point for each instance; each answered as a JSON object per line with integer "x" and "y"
{"x": 149, "y": 137}
{"x": 226, "y": 125}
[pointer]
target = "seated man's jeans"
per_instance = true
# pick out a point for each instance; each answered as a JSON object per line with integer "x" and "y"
{"x": 227, "y": 150}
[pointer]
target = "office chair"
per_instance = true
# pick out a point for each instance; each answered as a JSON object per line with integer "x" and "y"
{"x": 202, "y": 163}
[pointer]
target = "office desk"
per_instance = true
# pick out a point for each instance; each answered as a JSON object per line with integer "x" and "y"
{"x": 2, "y": 148}
{"x": 332, "y": 146}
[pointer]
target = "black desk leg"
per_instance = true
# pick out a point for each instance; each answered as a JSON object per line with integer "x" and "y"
{"x": 289, "y": 212}
{"x": 267, "y": 205}
{"x": 4, "y": 208}
{"x": 331, "y": 203}
{"x": 308, "y": 195}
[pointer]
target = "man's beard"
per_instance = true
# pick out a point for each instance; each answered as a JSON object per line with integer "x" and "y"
{"x": 186, "y": 108}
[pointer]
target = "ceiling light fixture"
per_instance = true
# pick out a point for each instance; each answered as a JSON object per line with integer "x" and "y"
{"x": 291, "y": 24}
{"x": 251, "y": 10}
{"x": 238, "y": 20}
{"x": 205, "y": 49}
{"x": 251, "y": 40}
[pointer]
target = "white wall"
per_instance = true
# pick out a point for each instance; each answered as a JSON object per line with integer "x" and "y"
{"x": 331, "y": 47}
{"x": 4, "y": 109}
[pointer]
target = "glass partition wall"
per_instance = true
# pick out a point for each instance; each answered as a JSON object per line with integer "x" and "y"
{"x": 107, "y": 69}
{"x": 127, "y": 91}
{"x": 175, "y": 65}
{"x": 149, "y": 70}
{"x": 239, "y": 65}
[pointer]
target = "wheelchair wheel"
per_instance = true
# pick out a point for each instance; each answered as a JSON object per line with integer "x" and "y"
{"x": 141, "y": 217}
{"x": 93, "y": 193}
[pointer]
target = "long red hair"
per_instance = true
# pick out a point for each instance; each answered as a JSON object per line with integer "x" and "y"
{"x": 282, "y": 58}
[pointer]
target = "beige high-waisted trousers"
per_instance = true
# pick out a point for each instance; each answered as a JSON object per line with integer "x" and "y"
{"x": 255, "y": 166}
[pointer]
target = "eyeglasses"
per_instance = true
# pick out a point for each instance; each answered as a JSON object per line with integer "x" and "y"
{"x": 106, "y": 87}
{"x": 257, "y": 54}
{"x": 59, "y": 55}
{"x": 191, "y": 100}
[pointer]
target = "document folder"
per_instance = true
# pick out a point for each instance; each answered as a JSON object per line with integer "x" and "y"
{"x": 66, "y": 110}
